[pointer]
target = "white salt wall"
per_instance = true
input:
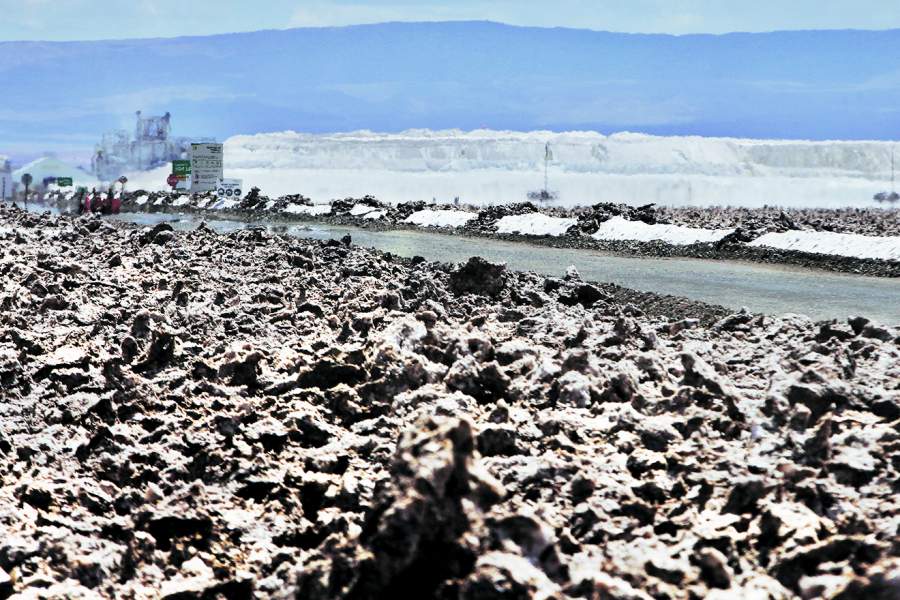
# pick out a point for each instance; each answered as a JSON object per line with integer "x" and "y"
{"x": 488, "y": 187}
{"x": 579, "y": 151}
{"x": 496, "y": 167}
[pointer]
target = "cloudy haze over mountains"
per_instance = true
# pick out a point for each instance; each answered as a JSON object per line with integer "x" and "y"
{"x": 468, "y": 75}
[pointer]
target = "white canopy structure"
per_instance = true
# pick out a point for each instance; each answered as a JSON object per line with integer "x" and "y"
{"x": 43, "y": 168}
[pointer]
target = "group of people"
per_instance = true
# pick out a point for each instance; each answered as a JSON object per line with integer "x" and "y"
{"x": 105, "y": 204}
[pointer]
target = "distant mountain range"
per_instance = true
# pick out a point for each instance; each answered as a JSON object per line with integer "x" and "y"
{"x": 394, "y": 76}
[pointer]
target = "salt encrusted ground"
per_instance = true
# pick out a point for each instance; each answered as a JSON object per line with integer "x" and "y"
{"x": 190, "y": 415}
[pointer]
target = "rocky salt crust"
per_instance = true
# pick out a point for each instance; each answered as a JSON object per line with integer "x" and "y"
{"x": 192, "y": 415}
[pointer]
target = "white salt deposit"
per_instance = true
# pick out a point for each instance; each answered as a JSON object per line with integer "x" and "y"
{"x": 303, "y": 209}
{"x": 440, "y": 218}
{"x": 359, "y": 210}
{"x": 618, "y": 228}
{"x": 837, "y": 244}
{"x": 534, "y": 224}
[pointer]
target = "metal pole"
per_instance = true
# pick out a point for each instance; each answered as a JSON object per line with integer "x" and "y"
{"x": 892, "y": 170}
{"x": 546, "y": 167}
{"x": 546, "y": 174}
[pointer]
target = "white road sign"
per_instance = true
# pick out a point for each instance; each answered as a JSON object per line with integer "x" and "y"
{"x": 230, "y": 188}
{"x": 206, "y": 166}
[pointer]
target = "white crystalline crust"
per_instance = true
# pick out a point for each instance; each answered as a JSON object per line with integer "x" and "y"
{"x": 440, "y": 218}
{"x": 534, "y": 224}
{"x": 839, "y": 244}
{"x": 618, "y": 228}
{"x": 316, "y": 209}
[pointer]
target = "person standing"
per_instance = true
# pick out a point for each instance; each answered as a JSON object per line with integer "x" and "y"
{"x": 88, "y": 199}
{"x": 107, "y": 203}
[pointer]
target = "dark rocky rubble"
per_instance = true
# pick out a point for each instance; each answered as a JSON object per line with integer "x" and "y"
{"x": 189, "y": 415}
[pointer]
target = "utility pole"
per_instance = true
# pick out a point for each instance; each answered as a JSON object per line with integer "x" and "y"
{"x": 893, "y": 197}
{"x": 547, "y": 156}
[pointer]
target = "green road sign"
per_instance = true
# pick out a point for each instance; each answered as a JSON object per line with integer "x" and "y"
{"x": 181, "y": 167}
{"x": 64, "y": 181}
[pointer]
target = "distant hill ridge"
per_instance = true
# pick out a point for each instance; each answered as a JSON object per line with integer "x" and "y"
{"x": 468, "y": 75}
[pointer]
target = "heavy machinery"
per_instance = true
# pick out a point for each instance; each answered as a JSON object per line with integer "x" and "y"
{"x": 152, "y": 146}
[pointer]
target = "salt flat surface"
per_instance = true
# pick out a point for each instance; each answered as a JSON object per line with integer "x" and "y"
{"x": 618, "y": 228}
{"x": 838, "y": 244}
{"x": 534, "y": 224}
{"x": 440, "y": 218}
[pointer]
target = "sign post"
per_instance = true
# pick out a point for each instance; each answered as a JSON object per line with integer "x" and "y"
{"x": 26, "y": 181}
{"x": 182, "y": 170}
{"x": 206, "y": 166}
{"x": 230, "y": 188}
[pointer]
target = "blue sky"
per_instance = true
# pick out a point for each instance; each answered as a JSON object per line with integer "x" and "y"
{"x": 114, "y": 19}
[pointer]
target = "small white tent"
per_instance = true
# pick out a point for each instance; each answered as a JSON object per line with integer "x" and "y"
{"x": 43, "y": 168}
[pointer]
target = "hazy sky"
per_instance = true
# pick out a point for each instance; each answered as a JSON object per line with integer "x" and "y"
{"x": 105, "y": 19}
